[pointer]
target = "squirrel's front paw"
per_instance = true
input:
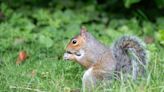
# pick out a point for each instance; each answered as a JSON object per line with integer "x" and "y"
{"x": 68, "y": 56}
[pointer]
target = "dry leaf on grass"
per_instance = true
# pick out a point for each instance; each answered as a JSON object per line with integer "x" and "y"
{"x": 21, "y": 57}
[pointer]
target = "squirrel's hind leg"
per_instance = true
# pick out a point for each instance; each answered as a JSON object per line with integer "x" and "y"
{"x": 88, "y": 80}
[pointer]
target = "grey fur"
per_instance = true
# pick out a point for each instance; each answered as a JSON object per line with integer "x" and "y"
{"x": 127, "y": 55}
{"x": 128, "y": 51}
{"x": 93, "y": 49}
{"x": 130, "y": 55}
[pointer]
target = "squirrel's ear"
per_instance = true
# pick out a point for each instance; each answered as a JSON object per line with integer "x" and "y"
{"x": 83, "y": 31}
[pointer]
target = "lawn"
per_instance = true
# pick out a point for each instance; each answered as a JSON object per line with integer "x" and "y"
{"x": 43, "y": 34}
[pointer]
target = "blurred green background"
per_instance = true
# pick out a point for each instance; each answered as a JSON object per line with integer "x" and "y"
{"x": 43, "y": 28}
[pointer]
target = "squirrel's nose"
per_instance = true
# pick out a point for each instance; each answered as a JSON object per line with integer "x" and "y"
{"x": 69, "y": 52}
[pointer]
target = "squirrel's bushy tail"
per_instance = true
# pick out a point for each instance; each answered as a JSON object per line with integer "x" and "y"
{"x": 131, "y": 56}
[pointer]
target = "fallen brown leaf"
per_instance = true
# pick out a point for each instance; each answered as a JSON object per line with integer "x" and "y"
{"x": 22, "y": 57}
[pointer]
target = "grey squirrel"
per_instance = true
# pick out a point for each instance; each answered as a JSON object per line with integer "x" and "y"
{"x": 127, "y": 55}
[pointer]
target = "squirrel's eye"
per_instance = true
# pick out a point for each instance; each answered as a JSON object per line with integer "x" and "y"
{"x": 74, "y": 41}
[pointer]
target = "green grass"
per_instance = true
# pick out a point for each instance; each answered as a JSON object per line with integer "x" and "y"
{"x": 44, "y": 42}
{"x": 55, "y": 75}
